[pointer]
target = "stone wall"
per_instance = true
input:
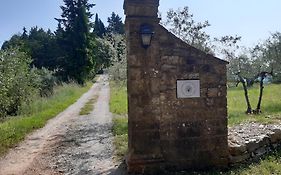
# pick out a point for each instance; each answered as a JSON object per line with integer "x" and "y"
{"x": 249, "y": 142}
{"x": 165, "y": 132}
{"x": 193, "y": 131}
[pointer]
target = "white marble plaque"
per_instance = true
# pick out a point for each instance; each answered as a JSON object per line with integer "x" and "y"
{"x": 188, "y": 88}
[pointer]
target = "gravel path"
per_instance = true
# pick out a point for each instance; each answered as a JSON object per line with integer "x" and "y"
{"x": 69, "y": 144}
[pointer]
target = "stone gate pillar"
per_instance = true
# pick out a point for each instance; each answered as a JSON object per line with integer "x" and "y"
{"x": 177, "y": 106}
{"x": 143, "y": 86}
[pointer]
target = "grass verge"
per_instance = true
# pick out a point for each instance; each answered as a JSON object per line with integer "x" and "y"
{"x": 88, "y": 107}
{"x": 118, "y": 101}
{"x": 14, "y": 130}
{"x": 120, "y": 131}
{"x": 118, "y": 105}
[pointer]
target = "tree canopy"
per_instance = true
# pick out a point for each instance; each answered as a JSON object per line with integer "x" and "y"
{"x": 75, "y": 20}
{"x": 115, "y": 24}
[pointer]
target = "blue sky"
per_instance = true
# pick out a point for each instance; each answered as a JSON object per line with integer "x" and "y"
{"x": 251, "y": 19}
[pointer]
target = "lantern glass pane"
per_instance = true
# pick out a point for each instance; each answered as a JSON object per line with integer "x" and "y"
{"x": 146, "y": 39}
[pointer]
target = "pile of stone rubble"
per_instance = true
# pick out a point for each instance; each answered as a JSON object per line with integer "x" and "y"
{"x": 250, "y": 141}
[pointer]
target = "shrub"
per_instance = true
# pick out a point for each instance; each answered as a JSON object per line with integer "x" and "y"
{"x": 103, "y": 54}
{"x": 44, "y": 80}
{"x": 16, "y": 86}
{"x": 118, "y": 71}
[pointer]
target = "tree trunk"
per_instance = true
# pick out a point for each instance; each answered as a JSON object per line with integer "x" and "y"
{"x": 258, "y": 110}
{"x": 249, "y": 108}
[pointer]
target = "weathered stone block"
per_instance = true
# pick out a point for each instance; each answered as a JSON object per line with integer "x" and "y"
{"x": 136, "y": 112}
{"x": 141, "y": 125}
{"x": 193, "y": 76}
{"x": 206, "y": 68}
{"x": 135, "y": 74}
{"x": 236, "y": 149}
{"x": 251, "y": 145}
{"x": 260, "y": 152}
{"x": 186, "y": 70}
{"x": 169, "y": 96}
{"x": 176, "y": 150}
{"x": 191, "y": 60}
{"x": 168, "y": 68}
{"x": 134, "y": 61}
{"x": 171, "y": 60}
{"x": 220, "y": 69}
{"x": 188, "y": 131}
{"x": 142, "y": 139}
{"x": 263, "y": 140}
{"x": 212, "y": 92}
{"x": 275, "y": 136}
{"x": 210, "y": 102}
{"x": 155, "y": 86}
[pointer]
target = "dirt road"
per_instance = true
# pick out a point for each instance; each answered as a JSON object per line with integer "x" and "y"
{"x": 69, "y": 144}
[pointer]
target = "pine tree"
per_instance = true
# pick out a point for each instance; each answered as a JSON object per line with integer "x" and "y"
{"x": 76, "y": 39}
{"x": 115, "y": 24}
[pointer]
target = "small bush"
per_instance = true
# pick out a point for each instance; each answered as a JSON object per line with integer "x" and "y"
{"x": 103, "y": 54}
{"x": 44, "y": 80}
{"x": 20, "y": 84}
{"x": 16, "y": 84}
{"x": 118, "y": 71}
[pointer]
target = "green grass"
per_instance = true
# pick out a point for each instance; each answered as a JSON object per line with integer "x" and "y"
{"x": 269, "y": 165}
{"x": 118, "y": 105}
{"x": 118, "y": 101}
{"x": 120, "y": 131}
{"x": 271, "y": 107}
{"x": 14, "y": 130}
{"x": 88, "y": 107}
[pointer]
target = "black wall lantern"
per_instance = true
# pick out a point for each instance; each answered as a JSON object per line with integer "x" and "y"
{"x": 146, "y": 33}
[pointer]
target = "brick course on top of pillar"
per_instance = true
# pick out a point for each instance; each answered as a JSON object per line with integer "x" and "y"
{"x": 167, "y": 132}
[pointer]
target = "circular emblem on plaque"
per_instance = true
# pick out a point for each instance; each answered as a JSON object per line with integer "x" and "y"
{"x": 188, "y": 89}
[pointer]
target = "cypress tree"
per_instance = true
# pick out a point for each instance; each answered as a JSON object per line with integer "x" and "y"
{"x": 76, "y": 39}
{"x": 99, "y": 28}
{"x": 96, "y": 25}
